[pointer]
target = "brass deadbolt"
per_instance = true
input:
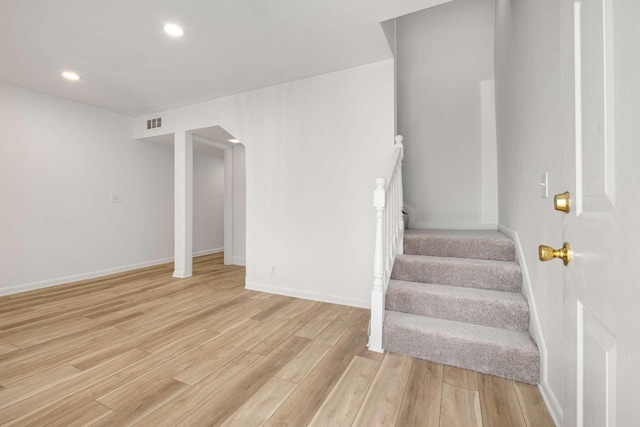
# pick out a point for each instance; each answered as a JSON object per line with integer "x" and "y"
{"x": 547, "y": 253}
{"x": 562, "y": 202}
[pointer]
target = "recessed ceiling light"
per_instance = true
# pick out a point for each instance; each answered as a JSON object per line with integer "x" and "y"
{"x": 70, "y": 75}
{"x": 173, "y": 30}
{"x": 235, "y": 141}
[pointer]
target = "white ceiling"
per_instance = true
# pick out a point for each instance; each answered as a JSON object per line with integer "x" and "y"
{"x": 128, "y": 65}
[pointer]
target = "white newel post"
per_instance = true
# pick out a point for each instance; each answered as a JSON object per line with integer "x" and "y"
{"x": 377, "y": 294}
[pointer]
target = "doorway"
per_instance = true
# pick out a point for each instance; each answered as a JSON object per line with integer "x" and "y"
{"x": 218, "y": 144}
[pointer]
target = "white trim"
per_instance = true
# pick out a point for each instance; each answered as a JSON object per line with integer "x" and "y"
{"x": 77, "y": 277}
{"x": 208, "y": 252}
{"x": 314, "y": 296}
{"x": 239, "y": 260}
{"x": 451, "y": 226}
{"x": 95, "y": 274}
{"x": 228, "y": 205}
{"x": 545, "y": 389}
{"x": 215, "y": 144}
{"x": 181, "y": 275}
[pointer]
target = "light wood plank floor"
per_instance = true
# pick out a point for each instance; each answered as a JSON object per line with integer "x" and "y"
{"x": 141, "y": 348}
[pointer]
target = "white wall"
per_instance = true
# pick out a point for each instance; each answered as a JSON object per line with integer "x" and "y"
{"x": 445, "y": 66}
{"x": 208, "y": 203}
{"x": 313, "y": 150}
{"x": 529, "y": 112}
{"x": 60, "y": 162}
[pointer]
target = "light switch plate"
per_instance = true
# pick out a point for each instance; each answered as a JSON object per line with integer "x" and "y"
{"x": 544, "y": 185}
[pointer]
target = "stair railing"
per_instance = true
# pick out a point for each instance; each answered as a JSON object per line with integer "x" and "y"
{"x": 388, "y": 203}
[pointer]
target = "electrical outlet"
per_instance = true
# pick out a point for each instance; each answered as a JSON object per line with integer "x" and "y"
{"x": 116, "y": 198}
{"x": 273, "y": 270}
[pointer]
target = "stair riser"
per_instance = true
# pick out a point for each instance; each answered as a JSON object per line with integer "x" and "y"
{"x": 498, "y": 314}
{"x": 463, "y": 248}
{"x": 467, "y": 275}
{"x": 477, "y": 356}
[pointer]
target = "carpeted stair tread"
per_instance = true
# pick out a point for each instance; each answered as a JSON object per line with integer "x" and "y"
{"x": 472, "y": 273}
{"x": 496, "y": 351}
{"x": 480, "y": 306}
{"x": 480, "y": 244}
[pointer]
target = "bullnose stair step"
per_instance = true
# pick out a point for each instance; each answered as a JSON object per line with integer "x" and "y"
{"x": 479, "y": 244}
{"x": 507, "y": 310}
{"x": 495, "y": 351}
{"x": 472, "y": 273}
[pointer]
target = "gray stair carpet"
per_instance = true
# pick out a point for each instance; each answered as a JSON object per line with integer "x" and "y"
{"x": 507, "y": 310}
{"x": 480, "y": 244}
{"x": 455, "y": 298}
{"x": 473, "y": 273}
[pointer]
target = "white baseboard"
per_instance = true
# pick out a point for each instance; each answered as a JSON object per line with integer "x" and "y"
{"x": 95, "y": 274}
{"x": 549, "y": 397}
{"x": 77, "y": 277}
{"x": 208, "y": 252}
{"x": 237, "y": 260}
{"x": 555, "y": 409}
{"x": 451, "y": 226}
{"x": 314, "y": 296}
{"x": 181, "y": 275}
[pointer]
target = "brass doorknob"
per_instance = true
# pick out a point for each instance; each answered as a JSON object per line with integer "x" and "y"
{"x": 562, "y": 202}
{"x": 547, "y": 253}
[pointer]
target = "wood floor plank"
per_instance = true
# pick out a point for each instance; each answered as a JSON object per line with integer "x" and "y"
{"x": 499, "y": 402}
{"x": 300, "y": 366}
{"x": 113, "y": 380}
{"x": 82, "y": 416}
{"x": 8, "y": 348}
{"x": 460, "y": 407}
{"x": 423, "y": 396}
{"x": 161, "y": 368}
{"x": 307, "y": 398}
{"x": 382, "y": 403}
{"x": 271, "y": 310}
{"x": 43, "y": 404}
{"x": 172, "y": 412}
{"x": 281, "y": 329}
{"x": 534, "y": 410}
{"x": 341, "y": 405}
{"x": 460, "y": 377}
{"x": 36, "y": 384}
{"x": 259, "y": 407}
{"x": 45, "y": 357}
{"x": 313, "y": 328}
{"x": 232, "y": 315}
{"x": 52, "y": 331}
{"x": 223, "y": 348}
{"x": 139, "y": 407}
{"x": 217, "y": 409}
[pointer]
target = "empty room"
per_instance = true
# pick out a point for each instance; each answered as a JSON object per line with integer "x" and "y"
{"x": 336, "y": 213}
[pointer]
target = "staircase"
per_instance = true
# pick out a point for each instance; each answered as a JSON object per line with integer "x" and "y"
{"x": 455, "y": 298}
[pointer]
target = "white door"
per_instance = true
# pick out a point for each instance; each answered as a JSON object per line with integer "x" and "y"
{"x": 601, "y": 84}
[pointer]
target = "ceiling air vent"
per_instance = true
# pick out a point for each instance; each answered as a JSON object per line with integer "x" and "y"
{"x": 154, "y": 123}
